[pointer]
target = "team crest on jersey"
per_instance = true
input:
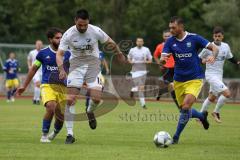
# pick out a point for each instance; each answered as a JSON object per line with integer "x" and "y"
{"x": 189, "y": 44}
{"x": 174, "y": 45}
{"x": 88, "y": 40}
{"x": 48, "y": 57}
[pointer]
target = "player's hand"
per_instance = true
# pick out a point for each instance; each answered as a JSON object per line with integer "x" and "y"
{"x": 107, "y": 72}
{"x": 238, "y": 62}
{"x": 210, "y": 59}
{"x": 62, "y": 74}
{"x": 121, "y": 58}
{"x": 19, "y": 91}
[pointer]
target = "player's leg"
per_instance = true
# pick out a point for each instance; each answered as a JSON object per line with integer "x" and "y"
{"x": 15, "y": 86}
{"x": 37, "y": 94}
{"x": 8, "y": 86}
{"x": 173, "y": 94}
{"x": 161, "y": 91}
{"x": 210, "y": 99}
{"x": 140, "y": 83}
{"x": 72, "y": 94}
{"x": 58, "y": 124}
{"x": 47, "y": 119}
{"x": 94, "y": 99}
{"x": 221, "y": 101}
{"x": 186, "y": 93}
{"x": 37, "y": 83}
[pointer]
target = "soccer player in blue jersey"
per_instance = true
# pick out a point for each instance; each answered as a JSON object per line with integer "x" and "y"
{"x": 188, "y": 73}
{"x": 52, "y": 90}
{"x": 11, "y": 68}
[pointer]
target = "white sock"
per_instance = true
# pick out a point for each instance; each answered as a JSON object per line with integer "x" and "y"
{"x": 92, "y": 105}
{"x": 134, "y": 89}
{"x": 69, "y": 119}
{"x": 141, "y": 98}
{"x": 205, "y": 105}
{"x": 36, "y": 93}
{"x": 220, "y": 103}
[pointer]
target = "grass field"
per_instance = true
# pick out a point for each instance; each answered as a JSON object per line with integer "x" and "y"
{"x": 126, "y": 133}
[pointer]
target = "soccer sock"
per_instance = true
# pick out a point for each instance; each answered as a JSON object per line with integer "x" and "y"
{"x": 46, "y": 126}
{"x": 221, "y": 100}
{"x": 174, "y": 98}
{"x": 196, "y": 114}
{"x": 36, "y": 93}
{"x": 87, "y": 102}
{"x": 13, "y": 91}
{"x": 205, "y": 105}
{"x": 9, "y": 93}
{"x": 183, "y": 120}
{"x": 69, "y": 119}
{"x": 92, "y": 105}
{"x": 58, "y": 126}
{"x": 141, "y": 98}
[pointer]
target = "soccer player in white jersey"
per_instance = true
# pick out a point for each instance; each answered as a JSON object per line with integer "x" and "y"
{"x": 214, "y": 73}
{"x": 139, "y": 56}
{"x": 37, "y": 77}
{"x": 82, "y": 40}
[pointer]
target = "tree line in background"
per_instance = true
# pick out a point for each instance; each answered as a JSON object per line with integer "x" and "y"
{"x": 24, "y": 21}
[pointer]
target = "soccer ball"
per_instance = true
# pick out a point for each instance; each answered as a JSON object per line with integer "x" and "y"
{"x": 162, "y": 139}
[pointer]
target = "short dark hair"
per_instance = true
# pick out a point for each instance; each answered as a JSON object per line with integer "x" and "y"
{"x": 218, "y": 29}
{"x": 53, "y": 31}
{"x": 177, "y": 19}
{"x": 82, "y": 14}
{"x": 166, "y": 31}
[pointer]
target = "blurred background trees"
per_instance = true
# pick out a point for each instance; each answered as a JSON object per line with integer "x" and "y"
{"x": 24, "y": 21}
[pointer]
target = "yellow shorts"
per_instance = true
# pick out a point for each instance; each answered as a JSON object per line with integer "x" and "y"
{"x": 189, "y": 87}
{"x": 12, "y": 83}
{"x": 53, "y": 92}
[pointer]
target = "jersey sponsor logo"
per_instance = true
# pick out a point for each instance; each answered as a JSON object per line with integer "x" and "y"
{"x": 183, "y": 55}
{"x": 189, "y": 44}
{"x": 52, "y": 68}
{"x": 48, "y": 57}
{"x": 88, "y": 40}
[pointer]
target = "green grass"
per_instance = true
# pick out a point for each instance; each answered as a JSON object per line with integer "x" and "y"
{"x": 118, "y": 136}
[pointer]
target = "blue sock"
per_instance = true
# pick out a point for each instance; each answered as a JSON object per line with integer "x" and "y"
{"x": 196, "y": 114}
{"x": 46, "y": 126}
{"x": 87, "y": 101}
{"x": 9, "y": 93}
{"x": 13, "y": 91}
{"x": 183, "y": 120}
{"x": 58, "y": 126}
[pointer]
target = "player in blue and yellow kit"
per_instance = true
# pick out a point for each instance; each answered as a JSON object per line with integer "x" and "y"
{"x": 11, "y": 68}
{"x": 52, "y": 89}
{"x": 188, "y": 73}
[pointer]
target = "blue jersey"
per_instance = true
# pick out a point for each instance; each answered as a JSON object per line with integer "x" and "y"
{"x": 11, "y": 68}
{"x": 50, "y": 74}
{"x": 185, "y": 53}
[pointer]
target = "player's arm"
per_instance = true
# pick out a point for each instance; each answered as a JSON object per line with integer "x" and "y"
{"x": 148, "y": 57}
{"x": 59, "y": 60}
{"x": 105, "y": 64}
{"x": 30, "y": 75}
{"x": 215, "y": 50}
{"x": 234, "y": 60}
{"x": 115, "y": 49}
{"x": 156, "y": 55}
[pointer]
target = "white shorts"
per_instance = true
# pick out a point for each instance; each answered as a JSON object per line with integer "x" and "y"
{"x": 139, "y": 78}
{"x": 82, "y": 74}
{"x": 37, "y": 77}
{"x": 216, "y": 85}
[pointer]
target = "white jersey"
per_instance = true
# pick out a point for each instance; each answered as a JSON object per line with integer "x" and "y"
{"x": 83, "y": 45}
{"x": 32, "y": 55}
{"x": 139, "y": 56}
{"x": 216, "y": 69}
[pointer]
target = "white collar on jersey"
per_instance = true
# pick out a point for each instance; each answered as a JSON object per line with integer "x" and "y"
{"x": 186, "y": 33}
{"x": 52, "y": 49}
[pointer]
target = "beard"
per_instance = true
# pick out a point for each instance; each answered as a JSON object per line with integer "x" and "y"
{"x": 55, "y": 45}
